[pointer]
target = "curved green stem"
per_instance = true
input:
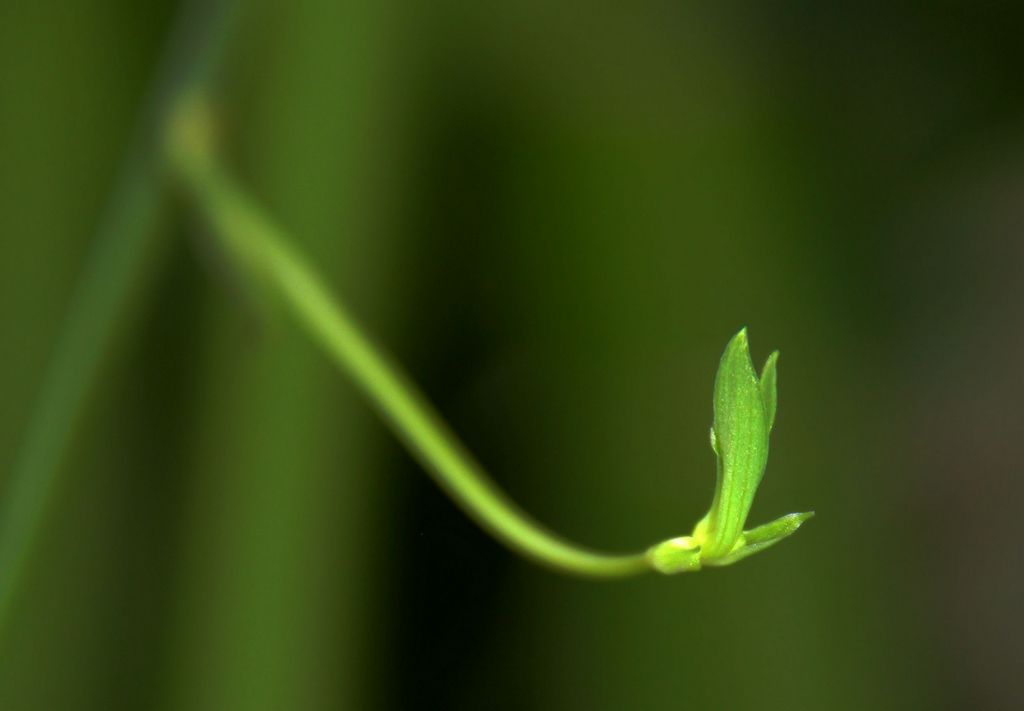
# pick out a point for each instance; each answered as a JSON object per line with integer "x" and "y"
{"x": 251, "y": 238}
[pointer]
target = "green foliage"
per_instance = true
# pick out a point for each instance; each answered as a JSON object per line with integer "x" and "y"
{"x": 745, "y": 408}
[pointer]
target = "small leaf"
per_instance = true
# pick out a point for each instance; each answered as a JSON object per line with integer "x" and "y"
{"x": 757, "y": 539}
{"x": 741, "y": 443}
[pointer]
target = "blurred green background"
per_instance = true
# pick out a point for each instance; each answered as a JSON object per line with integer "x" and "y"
{"x": 554, "y": 215}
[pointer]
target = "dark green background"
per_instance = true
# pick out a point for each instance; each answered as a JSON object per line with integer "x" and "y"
{"x": 555, "y": 215}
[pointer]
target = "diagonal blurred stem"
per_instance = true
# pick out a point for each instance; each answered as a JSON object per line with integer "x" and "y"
{"x": 115, "y": 267}
{"x": 252, "y": 240}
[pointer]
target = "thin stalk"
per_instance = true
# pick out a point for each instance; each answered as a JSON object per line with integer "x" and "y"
{"x": 258, "y": 245}
{"x": 114, "y": 268}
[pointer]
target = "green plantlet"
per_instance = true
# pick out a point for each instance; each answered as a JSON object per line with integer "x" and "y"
{"x": 744, "y": 403}
{"x": 744, "y": 407}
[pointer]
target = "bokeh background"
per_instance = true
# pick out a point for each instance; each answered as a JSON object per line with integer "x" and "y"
{"x": 554, "y": 214}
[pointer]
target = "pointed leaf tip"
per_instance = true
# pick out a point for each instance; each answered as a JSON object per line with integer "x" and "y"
{"x": 740, "y": 339}
{"x": 777, "y": 529}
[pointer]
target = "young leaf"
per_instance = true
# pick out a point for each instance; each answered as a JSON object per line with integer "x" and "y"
{"x": 757, "y": 539}
{"x": 741, "y": 443}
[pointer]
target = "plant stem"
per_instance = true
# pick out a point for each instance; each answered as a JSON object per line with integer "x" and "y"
{"x": 252, "y": 239}
{"x": 120, "y": 254}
